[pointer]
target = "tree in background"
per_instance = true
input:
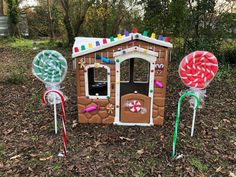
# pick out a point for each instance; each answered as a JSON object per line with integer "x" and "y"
{"x": 14, "y": 16}
{"x": 157, "y": 15}
{"x": 106, "y": 18}
{"x": 50, "y": 21}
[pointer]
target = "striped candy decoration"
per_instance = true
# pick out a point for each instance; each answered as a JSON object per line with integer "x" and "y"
{"x": 49, "y": 66}
{"x": 134, "y": 106}
{"x": 63, "y": 115}
{"x": 197, "y": 69}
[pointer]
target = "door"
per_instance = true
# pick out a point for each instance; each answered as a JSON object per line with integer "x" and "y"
{"x": 135, "y": 108}
{"x": 134, "y": 91}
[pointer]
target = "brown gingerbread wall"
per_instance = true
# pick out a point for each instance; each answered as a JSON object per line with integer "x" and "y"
{"x": 103, "y": 115}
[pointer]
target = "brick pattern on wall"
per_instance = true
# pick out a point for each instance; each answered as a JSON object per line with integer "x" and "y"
{"x": 101, "y": 115}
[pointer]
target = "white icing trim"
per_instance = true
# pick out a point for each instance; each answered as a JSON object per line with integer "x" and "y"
{"x": 102, "y": 46}
{"x": 132, "y": 124}
{"x": 149, "y": 58}
{"x": 155, "y": 41}
{"x": 135, "y": 48}
{"x": 132, "y": 36}
{"x": 87, "y": 84}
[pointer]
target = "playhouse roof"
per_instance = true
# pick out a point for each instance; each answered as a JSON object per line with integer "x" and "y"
{"x": 86, "y": 45}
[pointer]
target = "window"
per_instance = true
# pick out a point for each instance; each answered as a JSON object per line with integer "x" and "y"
{"x": 125, "y": 71}
{"x": 134, "y": 70}
{"x": 97, "y": 81}
{"x": 141, "y": 71}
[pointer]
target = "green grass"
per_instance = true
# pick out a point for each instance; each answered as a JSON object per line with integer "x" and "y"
{"x": 17, "y": 76}
{"x": 226, "y": 72}
{"x": 198, "y": 165}
{"x": 21, "y": 43}
{"x": 2, "y": 150}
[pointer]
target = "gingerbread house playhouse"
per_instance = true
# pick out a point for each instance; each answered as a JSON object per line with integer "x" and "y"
{"x": 122, "y": 80}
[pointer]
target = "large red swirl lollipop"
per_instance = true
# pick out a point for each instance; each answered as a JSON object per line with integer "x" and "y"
{"x": 197, "y": 69}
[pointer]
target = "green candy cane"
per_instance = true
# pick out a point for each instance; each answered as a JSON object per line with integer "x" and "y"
{"x": 197, "y": 102}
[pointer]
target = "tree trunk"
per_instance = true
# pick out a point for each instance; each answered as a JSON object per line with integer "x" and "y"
{"x": 69, "y": 29}
{"x": 67, "y": 22}
{"x": 1, "y": 7}
{"x": 105, "y": 2}
{"x": 50, "y": 22}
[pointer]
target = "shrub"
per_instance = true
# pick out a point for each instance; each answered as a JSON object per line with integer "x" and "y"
{"x": 16, "y": 77}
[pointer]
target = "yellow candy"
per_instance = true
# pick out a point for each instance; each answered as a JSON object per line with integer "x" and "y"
{"x": 90, "y": 45}
{"x": 153, "y": 36}
{"x": 96, "y": 65}
{"x": 119, "y": 36}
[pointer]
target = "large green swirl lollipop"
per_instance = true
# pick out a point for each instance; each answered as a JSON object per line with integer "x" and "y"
{"x": 50, "y": 67}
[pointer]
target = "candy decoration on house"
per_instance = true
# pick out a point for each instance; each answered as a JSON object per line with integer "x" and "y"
{"x": 104, "y": 59}
{"x": 159, "y": 67}
{"x": 50, "y": 67}
{"x": 110, "y": 108}
{"x": 63, "y": 115}
{"x": 178, "y": 116}
{"x": 81, "y": 63}
{"x": 90, "y": 108}
{"x": 158, "y": 84}
{"x": 135, "y": 106}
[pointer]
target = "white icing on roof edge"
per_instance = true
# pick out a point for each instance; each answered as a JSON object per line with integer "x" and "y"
{"x": 132, "y": 36}
{"x": 133, "y": 49}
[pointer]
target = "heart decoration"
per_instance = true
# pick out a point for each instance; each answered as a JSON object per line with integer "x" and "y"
{"x": 159, "y": 67}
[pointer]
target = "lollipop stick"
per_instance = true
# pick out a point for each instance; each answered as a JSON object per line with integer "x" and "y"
{"x": 55, "y": 114}
{"x": 193, "y": 122}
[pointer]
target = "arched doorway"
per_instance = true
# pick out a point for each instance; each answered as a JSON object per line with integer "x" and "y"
{"x": 134, "y": 88}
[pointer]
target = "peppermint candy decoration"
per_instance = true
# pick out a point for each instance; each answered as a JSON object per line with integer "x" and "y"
{"x": 197, "y": 69}
{"x": 134, "y": 106}
{"x": 49, "y": 66}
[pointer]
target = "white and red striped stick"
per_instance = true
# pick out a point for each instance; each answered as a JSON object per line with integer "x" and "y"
{"x": 63, "y": 115}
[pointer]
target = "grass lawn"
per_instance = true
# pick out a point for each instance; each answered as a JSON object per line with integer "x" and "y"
{"x": 29, "y": 147}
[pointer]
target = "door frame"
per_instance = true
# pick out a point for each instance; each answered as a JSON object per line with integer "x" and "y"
{"x": 134, "y": 52}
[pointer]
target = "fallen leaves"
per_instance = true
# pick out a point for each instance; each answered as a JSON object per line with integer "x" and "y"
{"x": 140, "y": 152}
{"x": 1, "y": 165}
{"x": 45, "y": 158}
{"x": 127, "y": 139}
{"x": 231, "y": 174}
{"x": 14, "y": 157}
{"x": 219, "y": 169}
{"x": 8, "y": 131}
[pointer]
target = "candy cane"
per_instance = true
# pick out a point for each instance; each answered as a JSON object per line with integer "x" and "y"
{"x": 198, "y": 68}
{"x": 178, "y": 116}
{"x": 63, "y": 115}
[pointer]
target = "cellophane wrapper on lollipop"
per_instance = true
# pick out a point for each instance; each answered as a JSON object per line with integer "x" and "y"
{"x": 200, "y": 93}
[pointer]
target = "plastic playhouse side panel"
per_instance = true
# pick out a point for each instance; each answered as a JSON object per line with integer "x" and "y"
{"x": 161, "y": 73}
